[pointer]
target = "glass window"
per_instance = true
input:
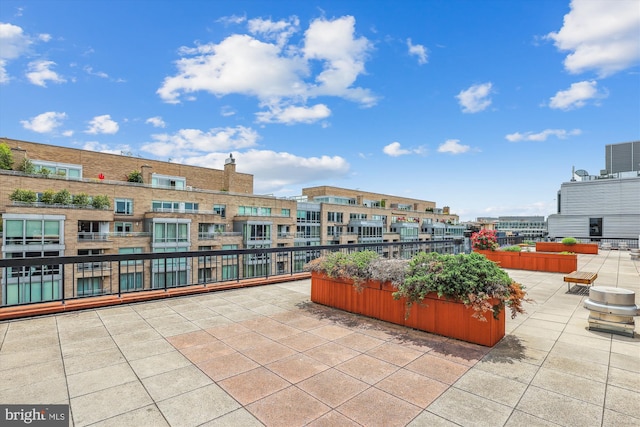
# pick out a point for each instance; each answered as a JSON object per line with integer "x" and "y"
{"x": 124, "y": 206}
{"x": 595, "y": 227}
{"x": 220, "y": 210}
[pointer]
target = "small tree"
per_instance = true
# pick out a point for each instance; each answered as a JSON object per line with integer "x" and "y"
{"x": 135, "y": 176}
{"x": 45, "y": 172}
{"x": 62, "y": 197}
{"x": 47, "y": 197}
{"x": 27, "y": 166}
{"x": 25, "y": 196}
{"x": 81, "y": 199}
{"x": 6, "y": 157}
{"x": 100, "y": 202}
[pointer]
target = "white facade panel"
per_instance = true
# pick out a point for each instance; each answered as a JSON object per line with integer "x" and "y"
{"x": 601, "y": 197}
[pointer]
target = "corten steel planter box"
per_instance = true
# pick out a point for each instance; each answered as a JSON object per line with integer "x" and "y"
{"x": 578, "y": 248}
{"x": 536, "y": 261}
{"x": 436, "y": 315}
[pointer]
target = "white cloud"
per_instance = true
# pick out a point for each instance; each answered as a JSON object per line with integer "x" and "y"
{"x": 290, "y": 115}
{"x": 194, "y": 142}
{"x": 453, "y": 146}
{"x": 40, "y": 72}
{"x": 227, "y": 111}
{"x": 13, "y": 43}
{"x": 104, "y": 148}
{"x": 542, "y": 136}
{"x": 279, "y": 74}
{"x": 418, "y": 50}
{"x": 44, "y": 37}
{"x": 476, "y": 98}
{"x": 156, "y": 122}
{"x": 233, "y": 19}
{"x": 45, "y": 122}
{"x": 395, "y": 150}
{"x": 279, "y": 31}
{"x": 602, "y": 35}
{"x": 576, "y": 96}
{"x": 101, "y": 74}
{"x": 275, "y": 171}
{"x": 102, "y": 124}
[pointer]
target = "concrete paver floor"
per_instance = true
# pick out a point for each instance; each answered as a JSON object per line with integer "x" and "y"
{"x": 268, "y": 356}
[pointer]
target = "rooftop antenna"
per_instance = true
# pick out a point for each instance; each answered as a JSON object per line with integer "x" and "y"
{"x": 573, "y": 173}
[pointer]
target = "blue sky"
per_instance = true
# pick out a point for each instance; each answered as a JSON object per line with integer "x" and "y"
{"x": 483, "y": 106}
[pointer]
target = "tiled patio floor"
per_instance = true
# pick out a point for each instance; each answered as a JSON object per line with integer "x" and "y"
{"x": 267, "y": 356}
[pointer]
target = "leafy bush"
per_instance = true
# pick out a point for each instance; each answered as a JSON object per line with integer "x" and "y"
{"x": 44, "y": 172}
{"x": 135, "y": 176}
{"x": 569, "y": 241}
{"x": 47, "y": 197}
{"x": 472, "y": 279}
{"x": 62, "y": 197}
{"x": 514, "y": 248}
{"x": 353, "y": 266}
{"x": 6, "y": 157}
{"x": 81, "y": 199}
{"x": 485, "y": 240}
{"x": 100, "y": 202}
{"x": 27, "y": 166}
{"x": 25, "y": 196}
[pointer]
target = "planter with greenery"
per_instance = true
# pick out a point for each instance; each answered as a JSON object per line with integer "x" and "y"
{"x": 568, "y": 244}
{"x": 485, "y": 242}
{"x": 459, "y": 296}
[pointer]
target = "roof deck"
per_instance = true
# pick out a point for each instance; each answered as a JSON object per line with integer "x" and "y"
{"x": 268, "y": 356}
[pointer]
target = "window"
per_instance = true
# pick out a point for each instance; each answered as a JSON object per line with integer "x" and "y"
{"x": 131, "y": 281}
{"x": 166, "y": 181}
{"x": 123, "y": 227}
{"x": 130, "y": 251}
{"x": 32, "y": 231}
{"x": 285, "y": 212}
{"x": 220, "y": 210}
{"x": 595, "y": 227}
{"x": 256, "y": 232}
{"x": 170, "y": 232}
{"x": 334, "y": 216}
{"x": 357, "y": 216}
{"x": 60, "y": 169}
{"x": 124, "y": 206}
{"x": 89, "y": 286}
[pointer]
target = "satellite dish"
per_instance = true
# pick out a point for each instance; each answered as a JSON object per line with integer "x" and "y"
{"x": 582, "y": 172}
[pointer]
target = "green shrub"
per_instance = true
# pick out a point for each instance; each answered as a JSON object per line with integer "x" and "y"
{"x": 353, "y": 266}
{"x": 62, "y": 197}
{"x": 44, "y": 172}
{"x": 27, "y": 166}
{"x": 24, "y": 196}
{"x": 514, "y": 248}
{"x": 135, "y": 176}
{"x": 81, "y": 199}
{"x": 47, "y": 197}
{"x": 100, "y": 202}
{"x": 6, "y": 157}
{"x": 569, "y": 241}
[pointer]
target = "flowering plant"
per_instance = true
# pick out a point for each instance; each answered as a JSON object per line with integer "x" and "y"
{"x": 485, "y": 240}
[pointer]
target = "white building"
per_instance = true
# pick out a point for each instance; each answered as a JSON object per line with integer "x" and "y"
{"x": 605, "y": 206}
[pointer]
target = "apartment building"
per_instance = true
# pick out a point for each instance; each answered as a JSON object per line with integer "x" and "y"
{"x": 532, "y": 227}
{"x": 332, "y": 215}
{"x": 155, "y": 206}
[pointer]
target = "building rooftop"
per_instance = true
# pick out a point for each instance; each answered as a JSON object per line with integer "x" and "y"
{"x": 268, "y": 356}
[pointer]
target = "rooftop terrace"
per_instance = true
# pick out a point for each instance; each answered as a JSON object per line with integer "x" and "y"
{"x": 268, "y": 356}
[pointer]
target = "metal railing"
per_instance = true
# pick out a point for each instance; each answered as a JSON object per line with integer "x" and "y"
{"x": 35, "y": 280}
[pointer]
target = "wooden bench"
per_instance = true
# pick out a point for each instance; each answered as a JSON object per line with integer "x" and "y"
{"x": 581, "y": 278}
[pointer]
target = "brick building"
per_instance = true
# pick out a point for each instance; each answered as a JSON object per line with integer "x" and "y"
{"x": 176, "y": 208}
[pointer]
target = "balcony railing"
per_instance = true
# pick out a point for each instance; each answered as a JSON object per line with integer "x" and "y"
{"x": 34, "y": 280}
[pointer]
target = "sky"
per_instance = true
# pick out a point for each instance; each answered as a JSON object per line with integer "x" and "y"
{"x": 482, "y": 106}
